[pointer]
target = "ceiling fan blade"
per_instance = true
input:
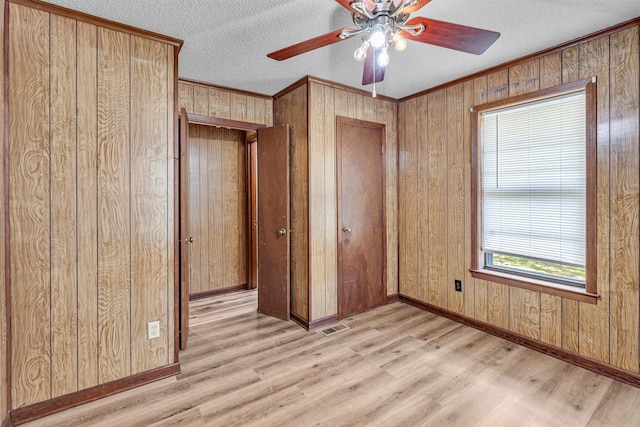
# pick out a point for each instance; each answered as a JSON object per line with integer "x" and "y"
{"x": 347, "y": 4}
{"x": 453, "y": 36}
{"x": 308, "y": 45}
{"x": 370, "y": 67}
{"x": 420, "y": 5}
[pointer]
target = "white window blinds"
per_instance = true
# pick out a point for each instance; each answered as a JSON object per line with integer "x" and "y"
{"x": 534, "y": 180}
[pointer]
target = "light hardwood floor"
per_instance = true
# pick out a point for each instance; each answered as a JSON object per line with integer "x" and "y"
{"x": 395, "y": 365}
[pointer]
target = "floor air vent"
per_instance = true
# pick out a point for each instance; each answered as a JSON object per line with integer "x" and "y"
{"x": 334, "y": 329}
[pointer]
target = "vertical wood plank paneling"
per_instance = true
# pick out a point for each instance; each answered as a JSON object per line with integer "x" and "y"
{"x": 217, "y": 105}
{"x": 410, "y": 200}
{"x": 261, "y": 111}
{"x": 200, "y": 100}
{"x": 223, "y": 108}
{"x": 387, "y": 112}
{"x": 250, "y": 114}
{"x": 468, "y": 284}
{"x": 114, "y": 280}
{"x": 551, "y": 70}
{"x": 185, "y": 96}
{"x": 351, "y": 104}
{"x": 403, "y": 118}
{"x": 497, "y": 85}
{"x": 594, "y": 319}
{"x": 317, "y": 200}
{"x": 550, "y": 315}
{"x": 577, "y": 327}
{"x": 218, "y": 208}
{"x": 29, "y": 196}
{"x": 369, "y": 109}
{"x": 524, "y": 77}
{"x": 331, "y": 205}
{"x": 241, "y": 207}
{"x": 498, "y": 305}
{"x": 80, "y": 212}
{"x": 213, "y": 224}
{"x": 195, "y": 273}
{"x": 203, "y": 231}
{"x": 239, "y": 106}
{"x": 230, "y": 201}
{"x": 570, "y": 64}
{"x": 624, "y": 132}
{"x": 4, "y": 401}
{"x": 482, "y": 300}
{"x": 324, "y": 105}
{"x": 87, "y": 214}
{"x": 268, "y": 116}
{"x": 422, "y": 200}
{"x": 149, "y": 203}
{"x": 438, "y": 191}
{"x": 480, "y": 90}
{"x": 299, "y": 124}
{"x": 455, "y": 197}
{"x": 172, "y": 169}
{"x": 570, "y": 325}
{"x": 291, "y": 109}
{"x": 524, "y": 312}
{"x": 64, "y": 295}
{"x": 344, "y": 104}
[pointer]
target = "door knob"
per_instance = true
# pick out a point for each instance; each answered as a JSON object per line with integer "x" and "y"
{"x": 282, "y": 232}
{"x": 190, "y": 240}
{"x": 346, "y": 230}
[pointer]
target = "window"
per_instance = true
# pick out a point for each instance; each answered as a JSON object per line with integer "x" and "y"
{"x": 534, "y": 160}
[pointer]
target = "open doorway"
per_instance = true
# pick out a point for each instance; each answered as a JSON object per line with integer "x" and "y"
{"x": 218, "y": 205}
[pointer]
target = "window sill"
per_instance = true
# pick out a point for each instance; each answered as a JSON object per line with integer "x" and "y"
{"x": 552, "y": 288}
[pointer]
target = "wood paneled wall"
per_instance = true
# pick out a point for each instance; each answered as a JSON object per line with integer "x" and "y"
{"x": 223, "y": 103}
{"x": 327, "y": 101}
{"x": 310, "y": 107}
{"x": 4, "y": 405}
{"x": 217, "y": 208}
{"x": 291, "y": 109}
{"x": 223, "y": 179}
{"x": 434, "y": 199}
{"x": 91, "y": 147}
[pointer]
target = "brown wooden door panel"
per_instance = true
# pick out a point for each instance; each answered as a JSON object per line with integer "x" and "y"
{"x": 273, "y": 221}
{"x": 361, "y": 230}
{"x": 185, "y": 236}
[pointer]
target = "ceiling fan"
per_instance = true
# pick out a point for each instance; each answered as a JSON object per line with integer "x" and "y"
{"x": 386, "y": 23}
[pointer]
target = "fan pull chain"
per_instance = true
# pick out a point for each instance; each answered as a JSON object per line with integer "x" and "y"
{"x": 374, "y": 94}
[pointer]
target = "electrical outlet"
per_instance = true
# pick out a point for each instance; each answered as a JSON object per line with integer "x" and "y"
{"x": 154, "y": 330}
{"x": 458, "y": 285}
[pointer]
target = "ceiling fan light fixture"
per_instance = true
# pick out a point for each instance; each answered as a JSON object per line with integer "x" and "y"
{"x": 361, "y": 53}
{"x": 383, "y": 58}
{"x": 399, "y": 41}
{"x": 378, "y": 37}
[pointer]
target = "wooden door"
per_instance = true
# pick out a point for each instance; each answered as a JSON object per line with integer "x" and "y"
{"x": 185, "y": 235}
{"x": 273, "y": 221}
{"x": 361, "y": 223}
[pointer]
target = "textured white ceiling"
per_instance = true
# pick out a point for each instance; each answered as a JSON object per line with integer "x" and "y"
{"x": 226, "y": 42}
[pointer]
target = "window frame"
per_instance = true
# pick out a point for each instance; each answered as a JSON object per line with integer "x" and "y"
{"x": 589, "y": 292}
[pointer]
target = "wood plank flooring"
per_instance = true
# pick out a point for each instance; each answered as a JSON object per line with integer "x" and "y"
{"x": 395, "y": 366}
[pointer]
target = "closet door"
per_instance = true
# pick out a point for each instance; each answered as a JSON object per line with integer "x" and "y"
{"x": 273, "y": 222}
